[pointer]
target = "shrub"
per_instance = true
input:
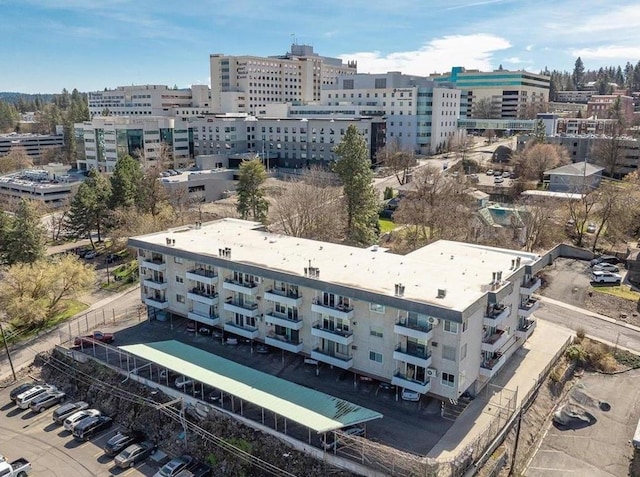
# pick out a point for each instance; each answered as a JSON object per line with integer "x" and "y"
{"x": 388, "y": 193}
{"x": 580, "y": 333}
{"x": 576, "y": 353}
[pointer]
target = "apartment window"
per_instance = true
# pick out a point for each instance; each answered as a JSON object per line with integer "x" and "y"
{"x": 179, "y": 279}
{"x": 449, "y": 352}
{"x": 377, "y": 331}
{"x": 450, "y": 326}
{"x": 180, "y": 298}
{"x": 448, "y": 379}
{"x": 464, "y": 325}
{"x": 463, "y": 352}
{"x": 376, "y": 308}
{"x": 374, "y": 356}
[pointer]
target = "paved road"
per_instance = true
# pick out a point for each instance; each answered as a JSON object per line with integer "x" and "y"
{"x": 609, "y": 331}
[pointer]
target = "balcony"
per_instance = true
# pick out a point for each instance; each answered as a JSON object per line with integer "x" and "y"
{"x": 204, "y": 319}
{"x": 525, "y": 329}
{"x": 417, "y": 357}
{"x": 496, "y": 315}
{"x": 337, "y": 335}
{"x": 156, "y": 264}
{"x": 525, "y": 310}
{"x": 159, "y": 303}
{"x": 495, "y": 342}
{"x": 413, "y": 330}
{"x": 338, "y": 311}
{"x": 249, "y": 332}
{"x": 237, "y": 306}
{"x": 284, "y": 343}
{"x": 248, "y": 288}
{"x": 281, "y": 296}
{"x": 334, "y": 359}
{"x": 155, "y": 284}
{"x": 279, "y": 319}
{"x": 202, "y": 275}
{"x": 490, "y": 367}
{"x": 530, "y": 286}
{"x": 201, "y": 296}
{"x": 402, "y": 380}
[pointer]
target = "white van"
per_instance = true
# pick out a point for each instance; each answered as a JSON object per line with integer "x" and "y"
{"x": 25, "y": 398}
{"x": 605, "y": 277}
{"x": 636, "y": 437}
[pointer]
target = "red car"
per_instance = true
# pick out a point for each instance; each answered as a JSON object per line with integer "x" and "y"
{"x": 95, "y": 336}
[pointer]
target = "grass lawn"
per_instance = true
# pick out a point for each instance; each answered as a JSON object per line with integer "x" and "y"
{"x": 386, "y": 225}
{"x": 124, "y": 276}
{"x": 622, "y": 291}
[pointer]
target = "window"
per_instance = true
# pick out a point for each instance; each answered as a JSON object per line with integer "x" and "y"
{"x": 464, "y": 326}
{"x": 377, "y": 331}
{"x": 376, "y": 308}
{"x": 463, "y": 352}
{"x": 450, "y": 327}
{"x": 180, "y": 298}
{"x": 377, "y": 357}
{"x": 448, "y": 379}
{"x": 179, "y": 279}
{"x": 177, "y": 259}
{"x": 380, "y": 83}
{"x": 449, "y": 352}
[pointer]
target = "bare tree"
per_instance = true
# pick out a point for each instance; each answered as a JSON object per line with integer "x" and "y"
{"x": 310, "y": 207}
{"x": 609, "y": 153}
{"x": 399, "y": 160}
{"x": 483, "y": 109}
{"x": 16, "y": 160}
{"x": 531, "y": 109}
{"x": 462, "y": 143}
{"x": 489, "y": 134}
{"x": 539, "y": 230}
{"x": 57, "y": 221}
{"x": 533, "y": 161}
{"x": 616, "y": 211}
{"x": 581, "y": 212}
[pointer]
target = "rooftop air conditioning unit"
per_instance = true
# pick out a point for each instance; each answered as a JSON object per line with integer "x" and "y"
{"x": 432, "y": 320}
{"x": 432, "y": 372}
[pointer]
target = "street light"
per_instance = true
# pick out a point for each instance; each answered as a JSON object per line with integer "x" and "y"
{"x": 6, "y": 348}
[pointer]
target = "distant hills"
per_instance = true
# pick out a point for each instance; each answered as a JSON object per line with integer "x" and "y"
{"x": 12, "y": 97}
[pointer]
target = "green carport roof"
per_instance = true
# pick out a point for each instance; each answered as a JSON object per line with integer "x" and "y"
{"x": 313, "y": 409}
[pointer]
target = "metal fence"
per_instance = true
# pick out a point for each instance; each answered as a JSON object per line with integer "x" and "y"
{"x": 95, "y": 319}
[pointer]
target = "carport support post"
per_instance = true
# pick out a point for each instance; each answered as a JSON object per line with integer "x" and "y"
{"x": 262, "y": 409}
{"x": 275, "y": 421}
{"x": 285, "y": 425}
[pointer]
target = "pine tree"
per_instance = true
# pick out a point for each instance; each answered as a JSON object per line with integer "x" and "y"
{"x": 354, "y": 169}
{"x": 25, "y": 235}
{"x": 125, "y": 182}
{"x": 578, "y": 73}
{"x": 89, "y": 208}
{"x": 251, "y": 201}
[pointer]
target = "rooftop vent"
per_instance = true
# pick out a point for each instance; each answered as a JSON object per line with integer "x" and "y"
{"x": 171, "y": 242}
{"x": 224, "y": 252}
{"x": 399, "y": 289}
{"x": 441, "y": 293}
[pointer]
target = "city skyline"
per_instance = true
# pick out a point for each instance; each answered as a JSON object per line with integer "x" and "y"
{"x": 91, "y": 45}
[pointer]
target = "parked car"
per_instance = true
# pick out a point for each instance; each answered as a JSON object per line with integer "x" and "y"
{"x": 174, "y": 466}
{"x": 121, "y": 441}
{"x": 192, "y": 326}
{"x": 497, "y": 173}
{"x": 74, "y": 419}
{"x": 90, "y": 255}
{"x": 408, "y": 395}
{"x": 66, "y": 410}
{"x": 506, "y": 174}
{"x": 605, "y": 267}
{"x": 17, "y": 468}
{"x": 490, "y": 172}
{"x": 24, "y": 400}
{"x": 135, "y": 453}
{"x": 605, "y": 259}
{"x": 591, "y": 228}
{"x": 112, "y": 258}
{"x": 95, "y": 336}
{"x": 334, "y": 443}
{"x": 183, "y": 382}
{"x": 605, "y": 277}
{"x": 498, "y": 180}
{"x": 197, "y": 470}
{"x": 386, "y": 387}
{"x": 22, "y": 388}
{"x": 91, "y": 426}
{"x": 47, "y": 400}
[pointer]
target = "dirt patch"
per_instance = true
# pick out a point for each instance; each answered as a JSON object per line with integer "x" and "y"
{"x": 614, "y": 307}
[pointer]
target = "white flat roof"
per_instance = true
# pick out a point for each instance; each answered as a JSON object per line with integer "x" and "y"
{"x": 463, "y": 270}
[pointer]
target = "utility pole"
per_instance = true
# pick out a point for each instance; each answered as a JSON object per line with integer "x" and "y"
{"x": 6, "y": 348}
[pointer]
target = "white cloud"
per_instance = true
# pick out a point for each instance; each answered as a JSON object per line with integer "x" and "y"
{"x": 529, "y": 47}
{"x": 628, "y": 53}
{"x": 439, "y": 55}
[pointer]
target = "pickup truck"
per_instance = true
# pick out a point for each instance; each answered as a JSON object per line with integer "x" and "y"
{"x": 95, "y": 336}
{"x": 18, "y": 468}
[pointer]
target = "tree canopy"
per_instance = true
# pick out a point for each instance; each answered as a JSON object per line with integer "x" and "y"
{"x": 22, "y": 236}
{"x": 251, "y": 197}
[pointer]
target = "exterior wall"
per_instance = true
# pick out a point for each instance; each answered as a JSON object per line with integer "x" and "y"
{"x": 574, "y": 96}
{"x": 201, "y": 186}
{"x": 573, "y": 184}
{"x": 584, "y": 126}
{"x": 375, "y": 337}
{"x": 599, "y": 106}
{"x": 33, "y": 144}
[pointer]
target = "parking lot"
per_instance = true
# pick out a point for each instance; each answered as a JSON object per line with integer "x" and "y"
{"x": 402, "y": 421}
{"x": 600, "y": 449}
{"x": 52, "y": 451}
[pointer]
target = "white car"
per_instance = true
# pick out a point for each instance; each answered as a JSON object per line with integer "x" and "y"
{"x": 24, "y": 399}
{"x": 73, "y": 420}
{"x": 605, "y": 277}
{"x": 408, "y": 395}
{"x": 605, "y": 267}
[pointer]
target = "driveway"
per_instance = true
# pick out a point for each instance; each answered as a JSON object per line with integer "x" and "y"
{"x": 567, "y": 280}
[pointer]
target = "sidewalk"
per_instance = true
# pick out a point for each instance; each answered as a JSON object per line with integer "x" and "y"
{"x": 519, "y": 374}
{"x": 584, "y": 311}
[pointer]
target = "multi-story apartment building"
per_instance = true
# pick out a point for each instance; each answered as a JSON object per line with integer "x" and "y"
{"x": 600, "y": 106}
{"x": 582, "y": 96}
{"x": 420, "y": 115}
{"x": 510, "y": 92}
{"x": 249, "y": 83}
{"x": 33, "y": 145}
{"x": 103, "y": 140}
{"x": 150, "y": 100}
{"x": 441, "y": 320}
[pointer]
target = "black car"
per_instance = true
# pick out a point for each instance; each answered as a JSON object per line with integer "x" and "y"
{"x": 64, "y": 411}
{"x": 91, "y": 426}
{"x": 122, "y": 440}
{"x": 15, "y": 392}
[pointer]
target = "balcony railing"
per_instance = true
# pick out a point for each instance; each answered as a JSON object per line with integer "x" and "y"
{"x": 283, "y": 342}
{"x": 530, "y": 286}
{"x": 527, "y": 308}
{"x": 336, "y": 359}
{"x": 246, "y": 287}
{"x": 157, "y": 264}
{"x": 403, "y": 380}
{"x": 203, "y": 275}
{"x": 156, "y": 302}
{"x": 492, "y": 339}
{"x": 490, "y": 367}
{"x": 203, "y": 272}
{"x": 284, "y": 293}
{"x": 155, "y": 284}
{"x": 240, "y": 283}
{"x": 281, "y": 319}
{"x": 245, "y": 331}
{"x": 203, "y": 293}
{"x": 210, "y": 320}
{"x": 242, "y": 307}
{"x": 413, "y": 329}
{"x": 283, "y": 296}
{"x": 495, "y": 341}
{"x": 338, "y": 335}
{"x": 418, "y": 357}
{"x": 496, "y": 314}
{"x": 241, "y": 304}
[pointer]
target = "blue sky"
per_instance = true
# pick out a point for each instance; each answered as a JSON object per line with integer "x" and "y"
{"x": 93, "y": 44}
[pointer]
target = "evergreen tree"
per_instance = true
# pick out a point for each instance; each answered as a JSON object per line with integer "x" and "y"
{"x": 125, "y": 182}
{"x": 89, "y": 207}
{"x": 25, "y": 235}
{"x": 354, "y": 169}
{"x": 251, "y": 201}
{"x": 578, "y": 73}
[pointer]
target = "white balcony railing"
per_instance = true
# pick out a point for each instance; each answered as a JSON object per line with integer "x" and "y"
{"x": 279, "y": 296}
{"x": 209, "y": 320}
{"x": 283, "y": 343}
{"x": 404, "y": 381}
{"x": 276, "y": 319}
{"x": 203, "y": 297}
{"x": 249, "y": 332}
{"x": 525, "y": 310}
{"x": 337, "y": 335}
{"x": 334, "y": 359}
{"x": 155, "y": 284}
{"x": 159, "y": 303}
{"x": 337, "y": 311}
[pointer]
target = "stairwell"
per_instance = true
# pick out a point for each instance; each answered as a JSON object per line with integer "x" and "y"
{"x": 451, "y": 409}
